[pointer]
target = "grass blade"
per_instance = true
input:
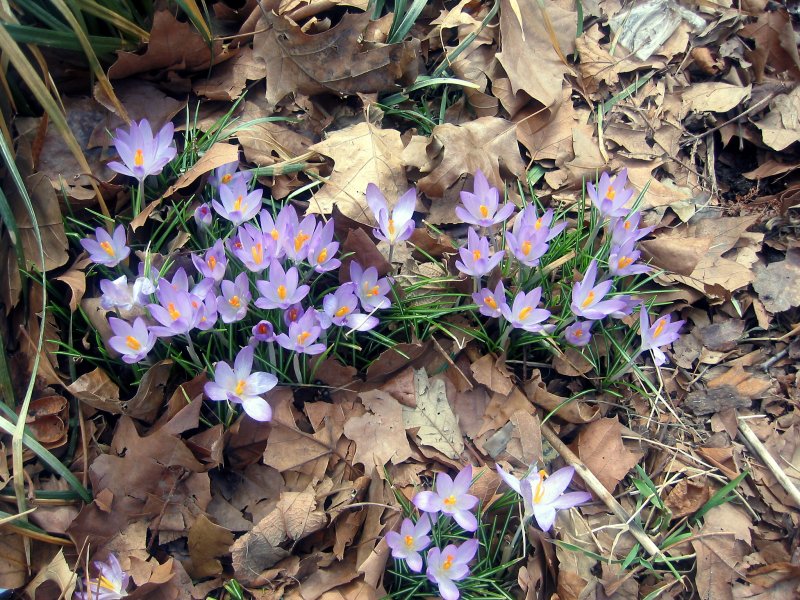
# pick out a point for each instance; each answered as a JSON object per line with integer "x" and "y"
{"x": 112, "y": 18}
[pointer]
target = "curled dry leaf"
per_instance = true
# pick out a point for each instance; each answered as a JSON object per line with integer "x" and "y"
{"x": 778, "y": 284}
{"x": 600, "y": 447}
{"x": 437, "y": 425}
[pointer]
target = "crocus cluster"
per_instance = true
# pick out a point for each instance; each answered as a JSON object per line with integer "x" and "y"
{"x": 111, "y": 582}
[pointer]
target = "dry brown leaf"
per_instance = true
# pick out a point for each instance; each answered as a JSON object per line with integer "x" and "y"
{"x": 547, "y": 134}
{"x": 206, "y": 542}
{"x": 781, "y": 127}
{"x": 720, "y": 547}
{"x": 75, "y": 278}
{"x": 49, "y": 221}
{"x": 778, "y": 284}
{"x": 687, "y": 497}
{"x": 437, "y": 425}
{"x": 600, "y": 447}
{"x": 775, "y": 44}
{"x": 492, "y": 373}
{"x": 713, "y": 96}
{"x": 575, "y": 411}
{"x": 228, "y": 80}
{"x": 56, "y": 580}
{"x": 96, "y": 389}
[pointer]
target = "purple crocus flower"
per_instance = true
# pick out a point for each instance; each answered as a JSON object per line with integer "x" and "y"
{"x": 120, "y": 294}
{"x": 523, "y": 314}
{"x": 409, "y": 541}
{"x": 254, "y": 248}
{"x": 264, "y": 331}
{"x": 111, "y": 582}
{"x": 490, "y": 303}
{"x": 528, "y": 217}
{"x": 528, "y": 245}
{"x": 579, "y": 333}
{"x": 587, "y": 298}
{"x": 207, "y": 313}
{"x": 202, "y": 216}
{"x": 542, "y": 496}
{"x": 133, "y": 342}
{"x": 232, "y": 303}
{"x": 213, "y": 264}
{"x": 281, "y": 290}
{"x": 242, "y": 386}
{"x": 293, "y": 313}
{"x": 322, "y": 249}
{"x": 341, "y": 309}
{"x": 236, "y": 204}
{"x": 370, "y": 290}
{"x": 622, "y": 260}
{"x": 610, "y": 196}
{"x": 298, "y": 237}
{"x": 225, "y": 174}
{"x": 107, "y": 249}
{"x": 482, "y": 205}
{"x": 450, "y": 564}
{"x": 397, "y": 224}
{"x": 624, "y": 229}
{"x": 477, "y": 258}
{"x": 662, "y": 332}
{"x": 278, "y": 229}
{"x": 140, "y": 152}
{"x": 176, "y": 311}
{"x": 302, "y": 335}
{"x": 451, "y": 498}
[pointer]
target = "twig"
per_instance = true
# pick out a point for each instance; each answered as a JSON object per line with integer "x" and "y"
{"x": 600, "y": 491}
{"x": 756, "y": 446}
{"x": 767, "y": 364}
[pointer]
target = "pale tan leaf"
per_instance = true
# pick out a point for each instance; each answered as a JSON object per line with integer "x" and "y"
{"x": 437, "y": 424}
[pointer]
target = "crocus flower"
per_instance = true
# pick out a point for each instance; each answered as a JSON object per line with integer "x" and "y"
{"x": 232, "y": 303}
{"x": 242, "y": 386}
{"x": 579, "y": 333}
{"x": 523, "y": 314}
{"x": 293, "y": 313}
{"x": 451, "y": 498}
{"x": 397, "y": 224}
{"x": 298, "y": 237}
{"x": 341, "y": 309}
{"x": 176, "y": 311}
{"x": 302, "y": 335}
{"x": 542, "y": 496}
{"x": 141, "y": 153}
{"x": 207, "y": 313}
{"x": 622, "y": 260}
{"x": 264, "y": 331}
{"x": 370, "y": 290}
{"x": 490, "y": 303}
{"x": 322, "y": 249}
{"x": 278, "y": 228}
{"x": 111, "y": 582}
{"x": 202, "y": 216}
{"x": 662, "y": 332}
{"x": 477, "y": 258}
{"x": 528, "y": 245}
{"x": 214, "y": 263}
{"x": 624, "y": 229}
{"x": 120, "y": 294}
{"x": 225, "y": 174}
{"x": 482, "y": 205}
{"x": 587, "y": 298}
{"x": 528, "y": 217}
{"x": 133, "y": 342}
{"x": 409, "y": 541}
{"x": 281, "y": 289}
{"x": 450, "y": 564}
{"x": 236, "y": 204}
{"x": 254, "y": 248}
{"x": 609, "y": 196}
{"x": 107, "y": 249}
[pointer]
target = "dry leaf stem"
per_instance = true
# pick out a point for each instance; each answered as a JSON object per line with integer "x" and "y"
{"x": 599, "y": 490}
{"x": 756, "y": 446}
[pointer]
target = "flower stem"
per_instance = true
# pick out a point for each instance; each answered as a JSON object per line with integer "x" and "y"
{"x": 192, "y": 352}
{"x": 296, "y": 364}
{"x": 391, "y": 254}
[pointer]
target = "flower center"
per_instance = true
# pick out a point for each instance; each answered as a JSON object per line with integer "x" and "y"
{"x": 138, "y": 158}
{"x": 450, "y": 501}
{"x": 262, "y": 329}
{"x": 292, "y": 315}
{"x": 409, "y": 540}
{"x": 627, "y": 225}
{"x": 212, "y": 262}
{"x": 226, "y": 178}
{"x": 624, "y": 262}
{"x": 490, "y": 302}
{"x": 526, "y": 247}
{"x": 174, "y": 313}
{"x": 239, "y": 387}
{"x": 390, "y": 228}
{"x": 322, "y": 256}
{"x": 108, "y": 248}
{"x": 301, "y": 339}
{"x": 299, "y": 240}
{"x": 235, "y": 302}
{"x": 589, "y": 299}
{"x": 258, "y": 253}
{"x": 610, "y": 193}
{"x": 105, "y": 584}
{"x": 523, "y": 314}
{"x": 448, "y": 562}
{"x": 374, "y": 291}
{"x": 538, "y": 224}
{"x": 476, "y": 255}
{"x": 579, "y": 333}
{"x": 484, "y": 211}
{"x": 282, "y": 292}
{"x": 237, "y": 204}
{"x": 274, "y": 233}
{"x": 659, "y": 328}
{"x": 538, "y": 494}
{"x": 342, "y": 311}
{"x": 132, "y": 343}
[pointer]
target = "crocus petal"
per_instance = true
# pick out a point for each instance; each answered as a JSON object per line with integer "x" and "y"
{"x": 414, "y": 561}
{"x": 555, "y": 485}
{"x": 545, "y": 516}
{"x": 257, "y": 408}
{"x": 447, "y": 589}
{"x": 466, "y": 520}
{"x": 510, "y": 480}
{"x": 428, "y": 501}
{"x": 572, "y": 499}
{"x": 215, "y": 391}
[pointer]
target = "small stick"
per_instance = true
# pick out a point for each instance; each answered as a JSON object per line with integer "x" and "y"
{"x": 762, "y": 452}
{"x": 600, "y": 491}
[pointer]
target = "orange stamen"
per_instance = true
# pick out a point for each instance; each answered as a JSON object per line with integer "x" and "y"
{"x": 138, "y": 158}
{"x": 476, "y": 255}
{"x": 235, "y": 302}
{"x": 588, "y": 301}
{"x": 173, "y": 312}
{"x": 611, "y": 193}
{"x": 409, "y": 540}
{"x": 624, "y": 262}
{"x": 322, "y": 256}
{"x": 226, "y": 178}
{"x": 132, "y": 343}
{"x": 239, "y": 387}
{"x": 282, "y": 292}
{"x": 490, "y": 302}
{"x": 659, "y": 328}
{"x": 450, "y": 500}
{"x": 539, "y": 493}
{"x": 448, "y": 562}
{"x": 526, "y": 247}
{"x": 301, "y": 339}
{"x": 275, "y": 235}
{"x": 300, "y": 239}
{"x": 374, "y": 291}
{"x": 212, "y": 262}
{"x": 484, "y": 211}
{"x": 237, "y": 204}
{"x": 108, "y": 248}
{"x": 342, "y": 311}
{"x": 524, "y": 312}
{"x": 390, "y": 227}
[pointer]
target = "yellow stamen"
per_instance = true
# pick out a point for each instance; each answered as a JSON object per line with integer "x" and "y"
{"x": 237, "y": 204}
{"x": 579, "y": 333}
{"x": 292, "y": 315}
{"x": 282, "y": 292}
{"x": 490, "y": 302}
{"x": 484, "y": 211}
{"x": 659, "y": 328}
{"x": 322, "y": 256}
{"x": 173, "y": 312}
{"x": 374, "y": 291}
{"x": 342, "y": 311}
{"x": 262, "y": 329}
{"x": 526, "y": 247}
{"x": 132, "y": 343}
{"x": 257, "y": 252}
{"x": 105, "y": 584}
{"x": 301, "y": 339}
{"x": 448, "y": 562}
{"x": 538, "y": 224}
{"x": 138, "y": 158}
{"x": 108, "y": 248}
{"x": 627, "y": 225}
{"x": 450, "y": 500}
{"x": 239, "y": 387}
{"x": 624, "y": 262}
{"x": 589, "y": 300}
{"x": 226, "y": 178}
{"x": 300, "y": 239}
{"x": 524, "y": 313}
{"x": 235, "y": 302}
{"x": 476, "y": 255}
{"x": 539, "y": 492}
{"x": 212, "y": 262}
{"x": 274, "y": 233}
{"x": 611, "y": 193}
{"x": 390, "y": 227}
{"x": 409, "y": 540}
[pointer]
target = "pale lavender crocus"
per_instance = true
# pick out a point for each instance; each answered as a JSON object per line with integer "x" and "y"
{"x": 528, "y": 217}
{"x": 407, "y": 543}
{"x": 396, "y": 224}
{"x": 293, "y": 313}
{"x": 481, "y": 207}
{"x": 528, "y": 245}
{"x": 662, "y": 332}
{"x": 490, "y": 303}
{"x": 225, "y": 174}
{"x": 610, "y": 196}
{"x": 124, "y": 296}
{"x": 543, "y": 495}
{"x": 132, "y": 341}
{"x": 451, "y": 498}
{"x": 241, "y": 385}
{"x": 107, "y": 249}
{"x": 234, "y": 299}
{"x": 587, "y": 298}
{"x": 477, "y": 258}
{"x": 236, "y": 204}
{"x": 579, "y": 333}
{"x": 298, "y": 237}
{"x": 213, "y": 263}
{"x": 622, "y": 260}
{"x": 302, "y": 334}
{"x": 254, "y": 248}
{"x": 264, "y": 331}
{"x": 111, "y": 582}
{"x": 176, "y": 311}
{"x": 341, "y": 309}
{"x": 278, "y": 228}
{"x": 371, "y": 291}
{"x": 207, "y": 313}
{"x": 450, "y": 564}
{"x": 141, "y": 153}
{"x": 627, "y": 228}
{"x": 523, "y": 314}
{"x": 322, "y": 249}
{"x": 281, "y": 289}
{"x": 202, "y": 216}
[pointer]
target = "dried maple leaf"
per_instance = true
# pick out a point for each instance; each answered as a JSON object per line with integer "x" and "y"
{"x": 437, "y": 424}
{"x": 336, "y": 60}
{"x": 778, "y": 284}
{"x": 600, "y": 447}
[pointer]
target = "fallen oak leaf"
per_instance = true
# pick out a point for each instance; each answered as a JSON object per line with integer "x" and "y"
{"x": 437, "y": 424}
